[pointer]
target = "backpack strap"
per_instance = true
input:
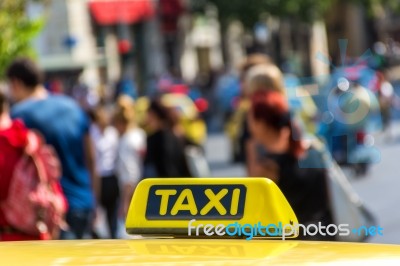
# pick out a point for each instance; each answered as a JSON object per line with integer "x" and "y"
{"x": 34, "y": 142}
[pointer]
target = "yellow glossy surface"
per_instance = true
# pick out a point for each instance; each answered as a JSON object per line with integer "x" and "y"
{"x": 263, "y": 202}
{"x": 195, "y": 252}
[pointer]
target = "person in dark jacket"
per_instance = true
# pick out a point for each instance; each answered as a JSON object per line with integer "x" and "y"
{"x": 165, "y": 155}
{"x": 305, "y": 188}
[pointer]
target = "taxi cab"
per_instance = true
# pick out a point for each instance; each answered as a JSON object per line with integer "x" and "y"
{"x": 188, "y": 221}
{"x": 194, "y": 127}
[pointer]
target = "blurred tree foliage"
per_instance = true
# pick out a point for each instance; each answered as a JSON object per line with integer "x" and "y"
{"x": 249, "y": 11}
{"x": 17, "y": 31}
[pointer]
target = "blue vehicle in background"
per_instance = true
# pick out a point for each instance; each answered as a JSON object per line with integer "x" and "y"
{"x": 350, "y": 115}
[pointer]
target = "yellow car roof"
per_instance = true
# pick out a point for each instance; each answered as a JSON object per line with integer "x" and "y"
{"x": 164, "y": 206}
{"x": 196, "y": 252}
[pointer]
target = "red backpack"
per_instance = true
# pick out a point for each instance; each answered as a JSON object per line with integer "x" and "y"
{"x": 36, "y": 204}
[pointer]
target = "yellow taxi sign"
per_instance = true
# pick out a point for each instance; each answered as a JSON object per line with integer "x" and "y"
{"x": 168, "y": 206}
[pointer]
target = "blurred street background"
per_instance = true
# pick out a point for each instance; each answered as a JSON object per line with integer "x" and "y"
{"x": 98, "y": 50}
{"x": 378, "y": 189}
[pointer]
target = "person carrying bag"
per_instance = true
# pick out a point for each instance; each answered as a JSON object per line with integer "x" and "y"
{"x": 32, "y": 204}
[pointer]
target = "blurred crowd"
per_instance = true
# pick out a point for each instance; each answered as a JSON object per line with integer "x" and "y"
{"x": 107, "y": 149}
{"x": 103, "y": 152}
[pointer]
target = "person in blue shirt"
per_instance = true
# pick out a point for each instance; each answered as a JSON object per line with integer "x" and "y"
{"x": 65, "y": 126}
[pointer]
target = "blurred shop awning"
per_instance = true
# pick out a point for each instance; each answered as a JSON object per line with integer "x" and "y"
{"x": 111, "y": 12}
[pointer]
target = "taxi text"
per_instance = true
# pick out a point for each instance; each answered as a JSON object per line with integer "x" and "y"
{"x": 196, "y": 201}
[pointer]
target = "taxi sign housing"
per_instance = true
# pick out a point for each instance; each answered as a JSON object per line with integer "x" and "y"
{"x": 164, "y": 206}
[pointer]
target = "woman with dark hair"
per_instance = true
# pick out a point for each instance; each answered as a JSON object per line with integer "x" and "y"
{"x": 165, "y": 155}
{"x": 305, "y": 188}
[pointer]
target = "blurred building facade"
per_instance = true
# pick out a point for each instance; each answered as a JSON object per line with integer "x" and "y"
{"x": 98, "y": 41}
{"x": 101, "y": 42}
{"x": 66, "y": 47}
{"x": 202, "y": 51}
{"x": 136, "y": 41}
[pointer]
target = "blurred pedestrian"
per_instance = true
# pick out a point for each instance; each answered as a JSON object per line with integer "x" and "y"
{"x": 13, "y": 141}
{"x": 385, "y": 98}
{"x": 131, "y": 150}
{"x": 239, "y": 134}
{"x": 105, "y": 138}
{"x": 165, "y": 156}
{"x": 65, "y": 126}
{"x": 271, "y": 126}
{"x": 262, "y": 77}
